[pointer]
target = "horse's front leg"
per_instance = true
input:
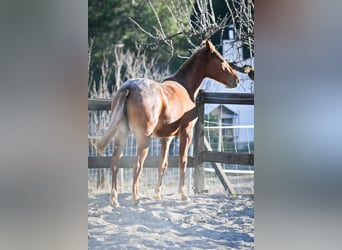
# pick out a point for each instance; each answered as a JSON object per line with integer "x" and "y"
{"x": 163, "y": 164}
{"x": 142, "y": 152}
{"x": 185, "y": 137}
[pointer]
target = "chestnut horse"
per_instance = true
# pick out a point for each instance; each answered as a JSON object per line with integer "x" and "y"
{"x": 163, "y": 110}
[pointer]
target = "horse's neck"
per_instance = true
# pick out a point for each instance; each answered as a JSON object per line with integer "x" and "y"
{"x": 190, "y": 75}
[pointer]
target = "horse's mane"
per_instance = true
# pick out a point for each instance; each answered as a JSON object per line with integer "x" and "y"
{"x": 188, "y": 61}
{"x": 205, "y": 45}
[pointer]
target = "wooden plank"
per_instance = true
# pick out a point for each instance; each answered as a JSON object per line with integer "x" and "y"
{"x": 220, "y": 172}
{"x": 199, "y": 127}
{"x": 128, "y": 161}
{"x": 225, "y": 157}
{"x": 198, "y": 184}
{"x": 227, "y": 98}
{"x": 99, "y": 104}
{"x": 206, "y": 97}
{"x": 232, "y": 171}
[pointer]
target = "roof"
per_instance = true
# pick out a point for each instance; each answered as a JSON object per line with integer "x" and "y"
{"x": 225, "y": 108}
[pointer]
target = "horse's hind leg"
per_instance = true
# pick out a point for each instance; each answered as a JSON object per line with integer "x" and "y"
{"x": 163, "y": 164}
{"x": 119, "y": 142}
{"x": 142, "y": 151}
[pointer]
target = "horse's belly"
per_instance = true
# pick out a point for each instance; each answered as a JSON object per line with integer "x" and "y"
{"x": 166, "y": 130}
{"x": 170, "y": 126}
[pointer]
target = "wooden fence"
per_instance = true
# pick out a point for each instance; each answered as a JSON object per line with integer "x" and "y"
{"x": 202, "y": 151}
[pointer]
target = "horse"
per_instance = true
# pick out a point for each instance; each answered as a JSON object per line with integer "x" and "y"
{"x": 162, "y": 110}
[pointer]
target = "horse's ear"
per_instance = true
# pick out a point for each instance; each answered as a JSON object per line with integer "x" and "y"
{"x": 209, "y": 45}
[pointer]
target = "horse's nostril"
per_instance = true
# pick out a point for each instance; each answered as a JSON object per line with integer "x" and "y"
{"x": 235, "y": 82}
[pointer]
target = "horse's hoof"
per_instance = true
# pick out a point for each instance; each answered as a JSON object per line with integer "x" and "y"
{"x": 136, "y": 202}
{"x": 157, "y": 197}
{"x": 115, "y": 204}
{"x": 185, "y": 198}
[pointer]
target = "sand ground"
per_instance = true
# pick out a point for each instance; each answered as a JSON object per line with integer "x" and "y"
{"x": 207, "y": 221}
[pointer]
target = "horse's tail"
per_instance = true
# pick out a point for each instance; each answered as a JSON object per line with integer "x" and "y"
{"x": 118, "y": 106}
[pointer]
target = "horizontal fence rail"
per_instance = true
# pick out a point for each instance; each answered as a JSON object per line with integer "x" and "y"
{"x": 99, "y": 104}
{"x": 226, "y": 98}
{"x": 128, "y": 161}
{"x": 205, "y": 97}
{"x": 226, "y": 157}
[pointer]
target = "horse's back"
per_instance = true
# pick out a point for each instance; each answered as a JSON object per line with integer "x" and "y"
{"x": 156, "y": 108}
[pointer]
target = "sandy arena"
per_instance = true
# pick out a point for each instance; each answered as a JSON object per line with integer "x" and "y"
{"x": 208, "y": 221}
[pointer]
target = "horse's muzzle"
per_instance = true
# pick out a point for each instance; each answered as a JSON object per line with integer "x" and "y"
{"x": 234, "y": 83}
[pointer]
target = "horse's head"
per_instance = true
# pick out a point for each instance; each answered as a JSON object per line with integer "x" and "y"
{"x": 218, "y": 68}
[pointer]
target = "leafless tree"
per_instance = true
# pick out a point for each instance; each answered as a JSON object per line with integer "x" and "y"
{"x": 139, "y": 65}
{"x": 136, "y": 64}
{"x": 200, "y": 21}
{"x": 125, "y": 65}
{"x": 90, "y": 73}
{"x": 101, "y": 91}
{"x": 119, "y": 61}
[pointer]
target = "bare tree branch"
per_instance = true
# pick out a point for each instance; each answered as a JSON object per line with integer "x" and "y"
{"x": 246, "y": 69}
{"x": 119, "y": 61}
{"x": 90, "y": 73}
{"x": 199, "y": 21}
{"x": 139, "y": 66}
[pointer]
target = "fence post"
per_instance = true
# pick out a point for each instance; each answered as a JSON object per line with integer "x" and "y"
{"x": 198, "y": 173}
